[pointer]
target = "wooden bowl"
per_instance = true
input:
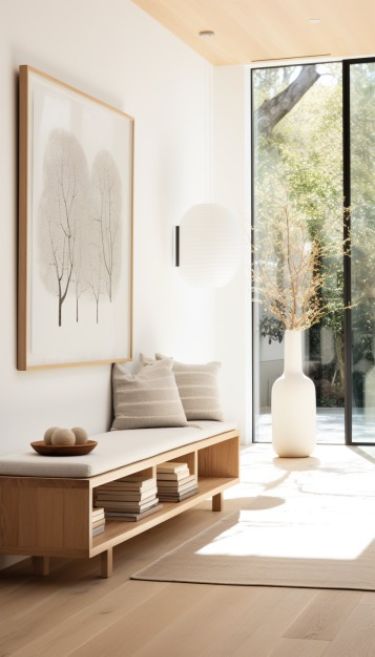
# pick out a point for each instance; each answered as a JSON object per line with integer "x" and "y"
{"x": 63, "y": 450}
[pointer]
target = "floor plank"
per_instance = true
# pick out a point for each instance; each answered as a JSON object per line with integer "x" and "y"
{"x": 213, "y": 625}
{"x": 137, "y": 627}
{"x": 274, "y": 624}
{"x": 324, "y": 617}
{"x": 299, "y": 648}
{"x": 53, "y": 606}
{"x": 357, "y": 636}
{"x": 73, "y": 630}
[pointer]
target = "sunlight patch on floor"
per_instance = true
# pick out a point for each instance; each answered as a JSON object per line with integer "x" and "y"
{"x": 302, "y": 540}
{"x": 317, "y": 508}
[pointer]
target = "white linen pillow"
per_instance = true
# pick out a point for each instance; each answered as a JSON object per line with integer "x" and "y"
{"x": 149, "y": 398}
{"x": 199, "y": 389}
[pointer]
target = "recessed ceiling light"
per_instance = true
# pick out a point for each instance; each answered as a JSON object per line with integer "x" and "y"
{"x": 206, "y": 34}
{"x": 314, "y": 21}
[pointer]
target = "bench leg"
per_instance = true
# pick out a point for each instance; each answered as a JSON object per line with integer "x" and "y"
{"x": 217, "y": 502}
{"x": 41, "y": 565}
{"x": 106, "y": 563}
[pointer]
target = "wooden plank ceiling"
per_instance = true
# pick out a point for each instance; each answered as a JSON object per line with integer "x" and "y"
{"x": 259, "y": 30}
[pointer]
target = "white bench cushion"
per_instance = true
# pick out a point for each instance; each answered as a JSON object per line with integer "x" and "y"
{"x": 114, "y": 450}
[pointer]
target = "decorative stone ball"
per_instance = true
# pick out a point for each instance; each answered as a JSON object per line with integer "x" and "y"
{"x": 80, "y": 434}
{"x": 48, "y": 435}
{"x": 63, "y": 437}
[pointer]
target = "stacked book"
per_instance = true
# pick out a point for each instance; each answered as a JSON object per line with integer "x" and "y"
{"x": 130, "y": 498}
{"x": 175, "y": 483}
{"x": 97, "y": 521}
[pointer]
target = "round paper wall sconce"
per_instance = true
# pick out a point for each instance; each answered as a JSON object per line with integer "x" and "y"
{"x": 208, "y": 248}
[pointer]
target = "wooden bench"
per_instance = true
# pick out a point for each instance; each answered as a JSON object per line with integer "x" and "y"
{"x": 52, "y": 516}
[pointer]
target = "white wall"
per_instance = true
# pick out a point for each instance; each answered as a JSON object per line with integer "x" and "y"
{"x": 111, "y": 49}
{"x": 115, "y": 51}
{"x": 232, "y": 156}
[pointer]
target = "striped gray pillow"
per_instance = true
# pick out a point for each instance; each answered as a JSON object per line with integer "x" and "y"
{"x": 149, "y": 398}
{"x": 199, "y": 389}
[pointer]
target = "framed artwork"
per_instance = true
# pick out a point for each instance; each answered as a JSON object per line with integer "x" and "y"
{"x": 75, "y": 227}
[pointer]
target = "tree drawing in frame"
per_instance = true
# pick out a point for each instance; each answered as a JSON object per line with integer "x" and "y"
{"x": 79, "y": 223}
{"x": 106, "y": 191}
{"x": 63, "y": 214}
{"x": 95, "y": 270}
{"x": 75, "y": 226}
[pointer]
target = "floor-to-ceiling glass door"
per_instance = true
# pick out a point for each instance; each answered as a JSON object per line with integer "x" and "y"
{"x": 297, "y": 164}
{"x": 359, "y": 190}
{"x": 313, "y": 143}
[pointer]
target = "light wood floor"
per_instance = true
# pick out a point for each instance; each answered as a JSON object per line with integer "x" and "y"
{"x": 74, "y": 613}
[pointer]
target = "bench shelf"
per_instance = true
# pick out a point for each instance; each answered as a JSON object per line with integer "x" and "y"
{"x": 118, "y": 531}
{"x": 48, "y": 517}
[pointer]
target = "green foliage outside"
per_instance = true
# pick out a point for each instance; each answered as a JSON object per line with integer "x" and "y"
{"x": 300, "y": 164}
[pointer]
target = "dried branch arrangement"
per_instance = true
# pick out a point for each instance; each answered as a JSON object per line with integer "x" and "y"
{"x": 295, "y": 275}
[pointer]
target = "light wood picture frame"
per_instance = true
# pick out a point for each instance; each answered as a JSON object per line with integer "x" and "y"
{"x": 75, "y": 250}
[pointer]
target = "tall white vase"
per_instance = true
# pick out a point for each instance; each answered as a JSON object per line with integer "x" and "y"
{"x": 293, "y": 404}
